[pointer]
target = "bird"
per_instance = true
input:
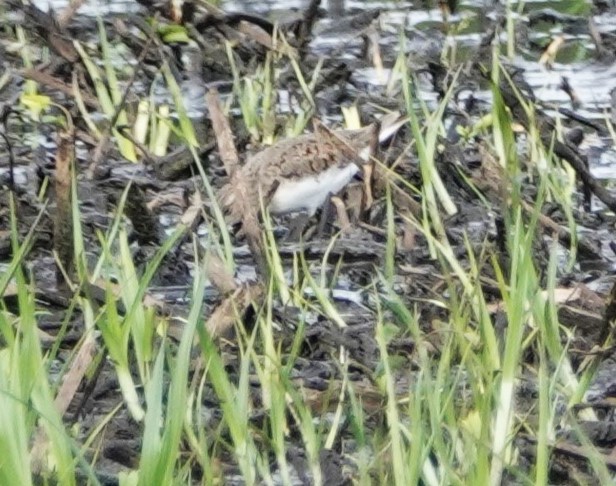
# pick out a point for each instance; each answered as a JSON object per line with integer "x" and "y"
{"x": 301, "y": 173}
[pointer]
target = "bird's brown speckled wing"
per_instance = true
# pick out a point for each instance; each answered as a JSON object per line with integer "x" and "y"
{"x": 320, "y": 150}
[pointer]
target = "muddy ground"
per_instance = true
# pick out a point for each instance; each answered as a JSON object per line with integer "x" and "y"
{"x": 349, "y": 41}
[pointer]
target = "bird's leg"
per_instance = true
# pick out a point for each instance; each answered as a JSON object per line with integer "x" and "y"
{"x": 326, "y": 215}
{"x": 297, "y": 227}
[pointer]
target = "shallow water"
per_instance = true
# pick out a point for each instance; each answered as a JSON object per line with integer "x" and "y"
{"x": 591, "y": 79}
{"x": 427, "y": 34}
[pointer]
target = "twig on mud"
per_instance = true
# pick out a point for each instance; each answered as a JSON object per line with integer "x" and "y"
{"x": 584, "y": 246}
{"x": 52, "y": 82}
{"x": 577, "y": 452}
{"x": 573, "y": 115}
{"x": 305, "y": 28}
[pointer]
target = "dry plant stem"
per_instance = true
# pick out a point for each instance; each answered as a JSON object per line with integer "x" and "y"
{"x": 249, "y": 213}
{"x": 66, "y": 393}
{"x": 222, "y": 320}
{"x": 596, "y": 37}
{"x": 372, "y": 229}
{"x": 373, "y": 50}
{"x": 88, "y": 390}
{"x": 256, "y": 33}
{"x": 252, "y": 228}
{"x": 368, "y": 169}
{"x": 63, "y": 222}
{"x": 218, "y": 275}
{"x": 236, "y": 301}
{"x": 222, "y": 130}
{"x": 381, "y": 176}
{"x": 405, "y": 202}
{"x": 192, "y": 215}
{"x": 345, "y": 224}
{"x": 69, "y": 12}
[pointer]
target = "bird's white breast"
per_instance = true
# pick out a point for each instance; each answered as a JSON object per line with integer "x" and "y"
{"x": 310, "y": 192}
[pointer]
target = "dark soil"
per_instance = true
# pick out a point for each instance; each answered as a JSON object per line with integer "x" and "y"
{"x": 163, "y": 188}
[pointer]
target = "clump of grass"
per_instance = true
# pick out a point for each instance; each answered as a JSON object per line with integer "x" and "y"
{"x": 108, "y": 93}
{"x": 27, "y": 393}
{"x": 257, "y": 94}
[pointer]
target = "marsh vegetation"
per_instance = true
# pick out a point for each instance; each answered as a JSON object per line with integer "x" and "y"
{"x": 169, "y": 318}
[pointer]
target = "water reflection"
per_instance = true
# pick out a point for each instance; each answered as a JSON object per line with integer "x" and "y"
{"x": 336, "y": 8}
{"x": 92, "y": 7}
{"x": 592, "y": 80}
